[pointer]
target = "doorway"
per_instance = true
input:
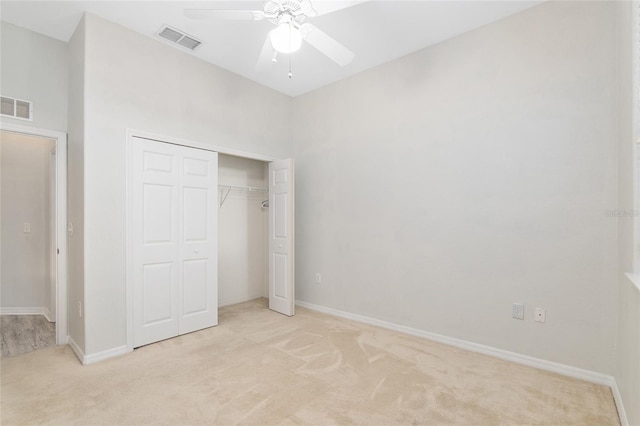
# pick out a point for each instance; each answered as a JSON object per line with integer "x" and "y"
{"x": 33, "y": 217}
{"x": 279, "y": 256}
{"x": 255, "y": 224}
{"x": 242, "y": 230}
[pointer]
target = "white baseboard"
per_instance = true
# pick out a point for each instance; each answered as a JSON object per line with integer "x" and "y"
{"x": 624, "y": 421}
{"x": 635, "y": 280}
{"x": 566, "y": 370}
{"x": 47, "y": 314}
{"x": 98, "y": 356}
{"x": 102, "y": 355}
{"x": 25, "y": 311}
{"x": 76, "y": 349}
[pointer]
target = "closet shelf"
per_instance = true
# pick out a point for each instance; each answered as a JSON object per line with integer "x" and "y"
{"x": 226, "y": 190}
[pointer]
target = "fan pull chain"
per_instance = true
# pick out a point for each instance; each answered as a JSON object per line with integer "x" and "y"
{"x": 290, "y": 30}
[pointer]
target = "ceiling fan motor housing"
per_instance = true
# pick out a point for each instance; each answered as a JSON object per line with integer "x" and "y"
{"x": 288, "y": 11}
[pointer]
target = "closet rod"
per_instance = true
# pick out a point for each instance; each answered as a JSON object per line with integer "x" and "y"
{"x": 226, "y": 190}
{"x": 242, "y": 188}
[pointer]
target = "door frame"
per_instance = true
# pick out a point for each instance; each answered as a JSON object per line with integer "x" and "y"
{"x": 53, "y": 214}
{"x": 130, "y": 134}
{"x": 60, "y": 138}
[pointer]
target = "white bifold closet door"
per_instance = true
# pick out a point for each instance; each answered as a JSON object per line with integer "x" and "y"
{"x": 281, "y": 237}
{"x": 174, "y": 232}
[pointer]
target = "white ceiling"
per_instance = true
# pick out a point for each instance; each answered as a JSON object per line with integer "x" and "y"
{"x": 376, "y": 31}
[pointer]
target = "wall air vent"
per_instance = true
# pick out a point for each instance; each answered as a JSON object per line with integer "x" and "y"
{"x": 16, "y": 108}
{"x": 178, "y": 37}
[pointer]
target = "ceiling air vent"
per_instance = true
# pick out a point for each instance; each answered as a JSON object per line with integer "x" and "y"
{"x": 16, "y": 108}
{"x": 178, "y": 37}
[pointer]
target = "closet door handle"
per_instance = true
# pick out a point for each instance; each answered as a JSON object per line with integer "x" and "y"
{"x": 196, "y": 251}
{"x": 279, "y": 245}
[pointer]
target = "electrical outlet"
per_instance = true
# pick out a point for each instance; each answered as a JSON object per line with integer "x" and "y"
{"x": 318, "y": 278}
{"x": 26, "y": 228}
{"x": 80, "y": 309}
{"x": 541, "y": 315}
{"x": 517, "y": 311}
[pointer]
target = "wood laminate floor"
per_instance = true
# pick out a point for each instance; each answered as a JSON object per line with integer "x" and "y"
{"x": 25, "y": 333}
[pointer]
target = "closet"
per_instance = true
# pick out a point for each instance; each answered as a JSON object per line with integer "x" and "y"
{"x": 205, "y": 229}
{"x": 255, "y": 231}
{"x": 243, "y": 220}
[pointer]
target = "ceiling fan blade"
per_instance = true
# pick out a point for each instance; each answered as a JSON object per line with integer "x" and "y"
{"x": 322, "y": 7}
{"x": 234, "y": 15}
{"x": 327, "y": 45}
{"x": 266, "y": 55}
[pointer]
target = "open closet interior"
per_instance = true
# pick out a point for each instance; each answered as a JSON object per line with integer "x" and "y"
{"x": 243, "y": 229}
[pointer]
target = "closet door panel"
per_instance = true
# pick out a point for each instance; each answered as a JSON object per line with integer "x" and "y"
{"x": 157, "y": 227}
{"x": 280, "y": 279}
{"x": 198, "y": 240}
{"x": 157, "y": 288}
{"x": 155, "y": 177}
{"x": 281, "y": 237}
{"x": 196, "y": 211}
{"x": 174, "y": 233}
{"x": 195, "y": 287}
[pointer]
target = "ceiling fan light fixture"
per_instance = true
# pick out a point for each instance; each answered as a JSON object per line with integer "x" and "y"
{"x": 286, "y": 38}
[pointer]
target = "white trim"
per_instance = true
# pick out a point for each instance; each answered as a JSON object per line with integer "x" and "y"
{"x": 51, "y": 231}
{"x": 76, "y": 349}
{"x": 102, "y": 355}
{"x": 47, "y": 314}
{"x": 635, "y": 118}
{"x": 617, "y": 397}
{"x": 193, "y": 144}
{"x": 98, "y": 356}
{"x": 635, "y": 280}
{"x": 61, "y": 225}
{"x": 565, "y": 370}
{"x": 128, "y": 230}
{"x": 25, "y": 311}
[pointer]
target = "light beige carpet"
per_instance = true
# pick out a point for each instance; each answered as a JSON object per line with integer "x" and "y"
{"x": 259, "y": 367}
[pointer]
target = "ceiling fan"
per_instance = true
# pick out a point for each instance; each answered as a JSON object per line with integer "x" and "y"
{"x": 290, "y": 31}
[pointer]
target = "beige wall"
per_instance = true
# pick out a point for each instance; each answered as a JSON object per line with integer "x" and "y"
{"x": 436, "y": 190}
{"x": 25, "y": 198}
{"x": 34, "y": 68}
{"x": 627, "y": 371}
{"x": 134, "y": 82}
{"x": 432, "y": 191}
{"x": 75, "y": 186}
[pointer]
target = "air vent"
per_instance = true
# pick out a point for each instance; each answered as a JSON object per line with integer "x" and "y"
{"x": 178, "y": 37}
{"x": 16, "y": 108}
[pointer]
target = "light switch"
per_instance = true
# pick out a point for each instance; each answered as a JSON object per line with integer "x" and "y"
{"x": 26, "y": 228}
